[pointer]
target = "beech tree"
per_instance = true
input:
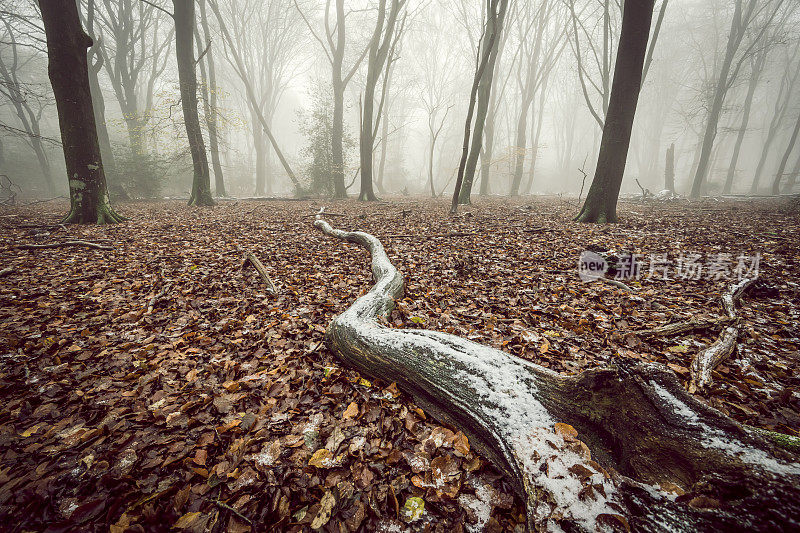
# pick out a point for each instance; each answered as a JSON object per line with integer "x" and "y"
{"x": 479, "y": 100}
{"x": 384, "y": 39}
{"x": 601, "y": 201}
{"x": 67, "y": 46}
{"x": 184, "y": 50}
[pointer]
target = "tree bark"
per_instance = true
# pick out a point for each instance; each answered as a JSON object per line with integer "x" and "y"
{"x": 734, "y": 39}
{"x": 494, "y": 29}
{"x": 211, "y": 114}
{"x": 645, "y": 433}
{"x": 669, "y": 169}
{"x": 68, "y": 69}
{"x": 601, "y": 201}
{"x": 184, "y": 50}
{"x": 755, "y": 74}
{"x": 776, "y": 183}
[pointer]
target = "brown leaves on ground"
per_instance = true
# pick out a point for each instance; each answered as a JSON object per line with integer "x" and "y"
{"x": 220, "y": 409}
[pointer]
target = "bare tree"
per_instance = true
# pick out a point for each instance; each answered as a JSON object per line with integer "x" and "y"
{"x": 210, "y": 90}
{"x": 479, "y": 97}
{"x": 745, "y": 14}
{"x": 264, "y": 99}
{"x": 601, "y": 201}
{"x": 134, "y": 55}
{"x": 388, "y": 29}
{"x": 536, "y": 62}
{"x": 28, "y": 103}
{"x": 334, "y": 45}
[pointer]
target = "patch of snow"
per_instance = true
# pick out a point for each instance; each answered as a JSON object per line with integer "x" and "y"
{"x": 480, "y": 503}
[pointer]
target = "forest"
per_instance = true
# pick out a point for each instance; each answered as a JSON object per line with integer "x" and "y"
{"x": 399, "y": 265}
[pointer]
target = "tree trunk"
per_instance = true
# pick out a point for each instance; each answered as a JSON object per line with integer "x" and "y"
{"x": 669, "y": 169}
{"x": 494, "y": 30}
{"x": 716, "y": 106}
{"x": 789, "y": 185}
{"x": 184, "y": 50}
{"x": 259, "y": 147}
{"x": 337, "y": 137}
{"x": 366, "y": 143}
{"x": 645, "y": 433}
{"x": 755, "y": 74}
{"x": 601, "y": 201}
{"x": 211, "y": 114}
{"x": 67, "y": 46}
{"x": 776, "y": 183}
{"x": 535, "y": 138}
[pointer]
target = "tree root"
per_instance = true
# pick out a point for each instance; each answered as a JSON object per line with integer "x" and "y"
{"x": 708, "y": 359}
{"x": 641, "y": 434}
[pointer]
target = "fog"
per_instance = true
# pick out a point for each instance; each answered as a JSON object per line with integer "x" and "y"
{"x": 549, "y": 95}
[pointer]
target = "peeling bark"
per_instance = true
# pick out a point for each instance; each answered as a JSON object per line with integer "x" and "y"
{"x": 645, "y": 433}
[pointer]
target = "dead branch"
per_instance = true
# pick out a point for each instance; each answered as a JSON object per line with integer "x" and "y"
{"x": 87, "y": 244}
{"x": 708, "y": 359}
{"x": 252, "y": 259}
{"x": 6, "y": 271}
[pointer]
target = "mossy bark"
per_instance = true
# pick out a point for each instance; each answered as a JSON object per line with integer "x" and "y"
{"x": 67, "y": 46}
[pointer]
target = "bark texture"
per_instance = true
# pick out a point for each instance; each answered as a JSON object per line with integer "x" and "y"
{"x": 184, "y": 50}
{"x": 601, "y": 201}
{"x": 67, "y": 46}
{"x": 645, "y": 433}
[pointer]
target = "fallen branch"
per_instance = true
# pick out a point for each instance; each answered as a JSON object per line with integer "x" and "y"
{"x": 65, "y": 244}
{"x": 252, "y": 259}
{"x": 633, "y": 418}
{"x": 708, "y": 359}
{"x": 156, "y": 297}
{"x": 6, "y": 271}
{"x": 223, "y": 505}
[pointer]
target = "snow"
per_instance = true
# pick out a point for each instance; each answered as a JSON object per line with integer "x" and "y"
{"x": 716, "y": 439}
{"x": 480, "y": 504}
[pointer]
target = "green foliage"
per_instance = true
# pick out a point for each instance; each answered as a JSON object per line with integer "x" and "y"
{"x": 316, "y": 125}
{"x": 140, "y": 174}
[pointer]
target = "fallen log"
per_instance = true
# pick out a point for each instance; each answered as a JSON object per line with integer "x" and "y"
{"x": 676, "y": 328}
{"x": 646, "y": 435}
{"x": 721, "y": 349}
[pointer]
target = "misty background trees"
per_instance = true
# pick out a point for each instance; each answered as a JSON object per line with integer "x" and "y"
{"x": 366, "y": 98}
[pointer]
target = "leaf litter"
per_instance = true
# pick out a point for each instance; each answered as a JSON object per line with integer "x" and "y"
{"x": 159, "y": 385}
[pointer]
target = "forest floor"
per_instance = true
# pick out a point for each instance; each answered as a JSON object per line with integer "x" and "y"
{"x": 219, "y": 409}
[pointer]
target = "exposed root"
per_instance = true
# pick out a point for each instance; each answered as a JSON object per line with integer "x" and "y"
{"x": 635, "y": 419}
{"x": 677, "y": 328}
{"x": 708, "y": 359}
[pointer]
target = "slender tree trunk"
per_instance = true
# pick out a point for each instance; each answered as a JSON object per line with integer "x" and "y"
{"x": 184, "y": 50}
{"x": 755, "y": 74}
{"x": 789, "y": 186}
{"x": 259, "y": 146}
{"x": 384, "y": 147}
{"x": 211, "y": 115}
{"x": 776, "y": 183}
{"x": 68, "y": 69}
{"x": 710, "y": 133}
{"x": 669, "y": 169}
{"x": 520, "y": 144}
{"x": 337, "y": 136}
{"x": 535, "y": 135}
{"x": 494, "y": 30}
{"x": 366, "y": 142}
{"x": 601, "y": 201}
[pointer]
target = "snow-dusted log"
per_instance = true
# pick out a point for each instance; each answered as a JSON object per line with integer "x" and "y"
{"x": 708, "y": 359}
{"x": 641, "y": 438}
